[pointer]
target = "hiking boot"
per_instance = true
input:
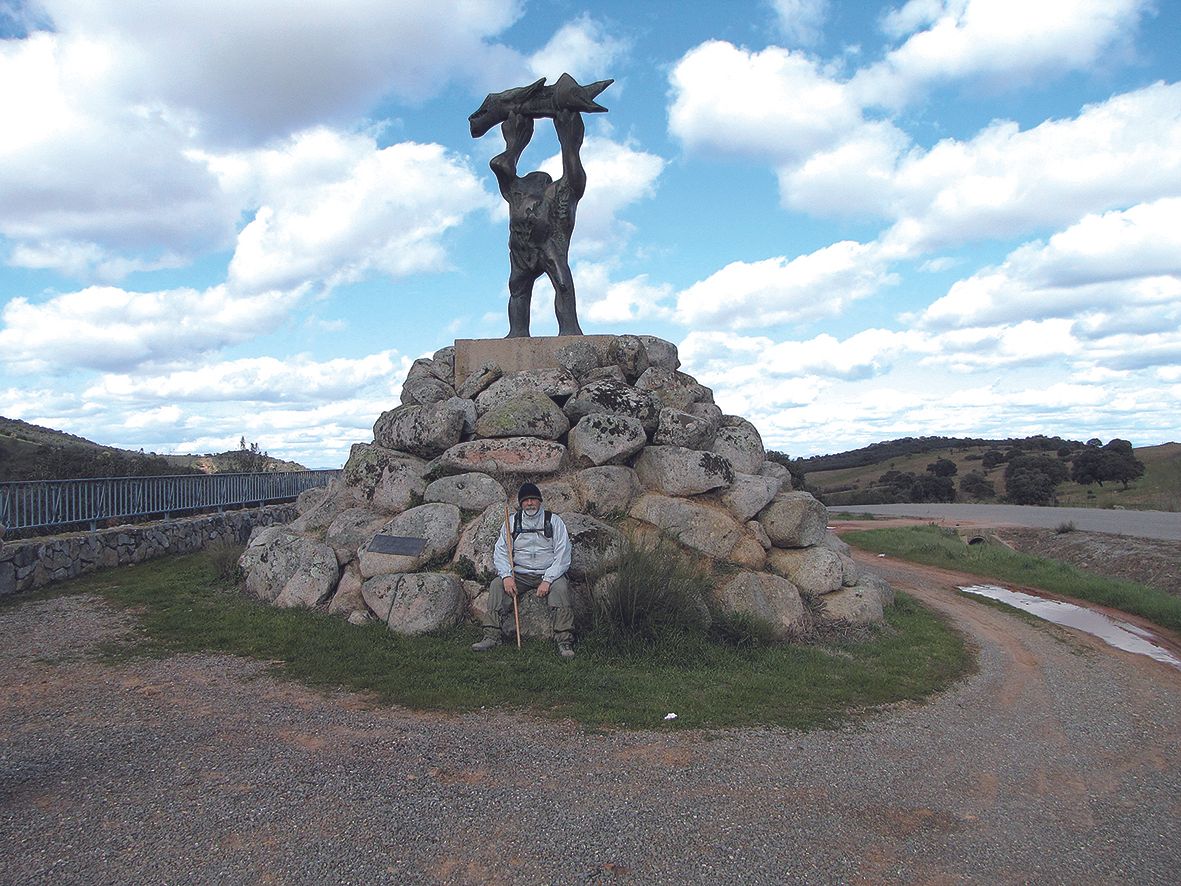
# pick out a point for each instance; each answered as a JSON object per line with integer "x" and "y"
{"x": 489, "y": 642}
{"x": 565, "y": 649}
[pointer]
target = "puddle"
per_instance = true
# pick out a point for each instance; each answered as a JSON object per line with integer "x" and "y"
{"x": 1120, "y": 634}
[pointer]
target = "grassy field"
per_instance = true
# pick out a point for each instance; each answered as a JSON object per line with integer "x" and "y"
{"x": 936, "y": 546}
{"x": 180, "y": 606}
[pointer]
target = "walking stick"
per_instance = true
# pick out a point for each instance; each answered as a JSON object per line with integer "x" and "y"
{"x": 508, "y": 537}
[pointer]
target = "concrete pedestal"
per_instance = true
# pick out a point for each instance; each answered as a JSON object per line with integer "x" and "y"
{"x": 517, "y": 354}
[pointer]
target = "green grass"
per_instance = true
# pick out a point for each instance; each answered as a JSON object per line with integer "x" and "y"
{"x": 939, "y": 547}
{"x": 182, "y": 607}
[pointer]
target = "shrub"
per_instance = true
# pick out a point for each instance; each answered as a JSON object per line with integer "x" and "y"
{"x": 223, "y": 555}
{"x": 1067, "y": 526}
{"x": 741, "y": 630}
{"x": 656, "y": 588}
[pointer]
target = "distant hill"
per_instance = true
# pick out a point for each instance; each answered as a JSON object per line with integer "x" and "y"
{"x": 32, "y": 452}
{"x": 860, "y": 476}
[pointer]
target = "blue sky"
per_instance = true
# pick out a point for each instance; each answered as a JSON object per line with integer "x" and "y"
{"x": 857, "y": 220}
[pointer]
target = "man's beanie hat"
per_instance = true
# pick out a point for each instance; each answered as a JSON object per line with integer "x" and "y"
{"x": 528, "y": 490}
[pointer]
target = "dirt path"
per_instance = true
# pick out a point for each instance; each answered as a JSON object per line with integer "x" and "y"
{"x": 1056, "y": 763}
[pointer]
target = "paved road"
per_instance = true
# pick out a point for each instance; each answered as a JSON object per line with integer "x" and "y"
{"x": 1056, "y": 763}
{"x": 1143, "y": 524}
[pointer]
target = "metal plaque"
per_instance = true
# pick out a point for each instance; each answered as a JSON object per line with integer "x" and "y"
{"x": 406, "y": 545}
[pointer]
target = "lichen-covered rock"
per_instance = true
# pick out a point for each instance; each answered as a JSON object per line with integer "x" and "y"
{"x": 672, "y": 389}
{"x": 603, "y": 439}
{"x": 675, "y": 470}
{"x": 779, "y": 472}
{"x": 794, "y": 520}
{"x": 348, "y": 598}
{"x": 815, "y": 570}
{"x": 614, "y": 398}
{"x": 579, "y": 356}
{"x": 560, "y": 496}
{"x": 425, "y": 390}
{"x": 480, "y": 379}
{"x": 661, "y": 353}
{"x": 709, "y": 413}
{"x": 350, "y": 530}
{"x": 860, "y": 604}
{"x": 879, "y": 584}
{"x": 740, "y": 442}
{"x": 286, "y": 569}
{"x": 760, "y": 534}
{"x": 612, "y": 372}
{"x": 850, "y": 571}
{"x": 556, "y": 383}
{"x": 416, "y": 603}
{"x": 478, "y": 539}
{"x": 534, "y": 612}
{"x": 677, "y": 428}
{"x": 771, "y": 598}
{"x": 309, "y": 498}
{"x": 472, "y": 491}
{"x": 425, "y": 431}
{"x": 339, "y": 499}
{"x": 629, "y": 354}
{"x": 516, "y": 456}
{"x": 607, "y": 490}
{"x": 595, "y": 546}
{"x": 703, "y": 527}
{"x": 437, "y": 522}
{"x": 749, "y": 494}
{"x": 443, "y": 364}
{"x": 388, "y": 480}
{"x": 530, "y": 414}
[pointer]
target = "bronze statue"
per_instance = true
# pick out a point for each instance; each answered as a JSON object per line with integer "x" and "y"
{"x": 541, "y": 210}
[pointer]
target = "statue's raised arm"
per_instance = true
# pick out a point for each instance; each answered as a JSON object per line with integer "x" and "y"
{"x": 541, "y": 211}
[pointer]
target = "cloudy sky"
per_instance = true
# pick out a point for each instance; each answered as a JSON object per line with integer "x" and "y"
{"x": 858, "y": 220}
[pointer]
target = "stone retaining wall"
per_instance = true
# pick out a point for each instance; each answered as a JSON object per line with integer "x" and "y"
{"x": 30, "y": 564}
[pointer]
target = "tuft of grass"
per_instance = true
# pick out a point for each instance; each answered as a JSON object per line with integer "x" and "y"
{"x": 223, "y": 556}
{"x": 931, "y": 545}
{"x": 1065, "y": 527}
{"x": 181, "y": 606}
{"x": 655, "y": 591}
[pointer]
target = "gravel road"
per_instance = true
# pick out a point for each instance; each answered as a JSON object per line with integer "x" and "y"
{"x": 1056, "y": 763}
{"x": 1145, "y": 524}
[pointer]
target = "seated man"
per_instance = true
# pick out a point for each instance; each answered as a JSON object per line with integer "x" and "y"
{"x": 539, "y": 560}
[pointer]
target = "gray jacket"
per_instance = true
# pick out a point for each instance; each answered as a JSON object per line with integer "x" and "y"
{"x": 532, "y": 551}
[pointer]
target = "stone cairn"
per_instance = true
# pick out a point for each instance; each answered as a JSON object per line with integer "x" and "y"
{"x": 615, "y": 436}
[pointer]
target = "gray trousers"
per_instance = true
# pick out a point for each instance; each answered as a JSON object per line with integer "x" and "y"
{"x": 499, "y": 617}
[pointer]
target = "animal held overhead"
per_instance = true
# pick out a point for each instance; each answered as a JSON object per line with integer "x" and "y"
{"x": 537, "y": 100}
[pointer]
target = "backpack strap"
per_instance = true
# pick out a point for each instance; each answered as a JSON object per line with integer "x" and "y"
{"x": 547, "y": 530}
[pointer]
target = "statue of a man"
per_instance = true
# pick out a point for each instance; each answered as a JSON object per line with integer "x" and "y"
{"x": 541, "y": 210}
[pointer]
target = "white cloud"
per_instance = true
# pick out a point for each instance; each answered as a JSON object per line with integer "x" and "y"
{"x": 1107, "y": 264}
{"x": 334, "y": 208}
{"x": 582, "y": 48}
{"x": 104, "y": 327}
{"x": 781, "y": 290}
{"x": 1006, "y": 42}
{"x": 801, "y": 21}
{"x": 260, "y": 69}
{"x": 257, "y": 380}
{"x": 775, "y": 104}
{"x": 603, "y": 300}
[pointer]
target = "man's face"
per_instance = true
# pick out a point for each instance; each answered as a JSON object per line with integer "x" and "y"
{"x": 531, "y": 506}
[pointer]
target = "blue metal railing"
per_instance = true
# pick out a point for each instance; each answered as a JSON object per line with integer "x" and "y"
{"x": 46, "y": 504}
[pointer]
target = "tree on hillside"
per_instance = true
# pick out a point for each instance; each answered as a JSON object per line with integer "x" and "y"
{"x": 974, "y": 484}
{"x": 992, "y": 458}
{"x": 943, "y": 467}
{"x": 1115, "y": 461}
{"x": 1029, "y": 487}
{"x": 929, "y": 487}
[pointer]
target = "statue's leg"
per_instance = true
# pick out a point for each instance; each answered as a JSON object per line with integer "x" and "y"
{"x": 558, "y": 271}
{"x": 520, "y": 296}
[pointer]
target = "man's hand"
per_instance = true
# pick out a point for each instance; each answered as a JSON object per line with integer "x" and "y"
{"x": 543, "y": 589}
{"x": 517, "y": 131}
{"x": 510, "y": 586}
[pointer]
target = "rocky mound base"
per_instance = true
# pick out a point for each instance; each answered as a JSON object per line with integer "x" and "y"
{"x": 617, "y": 438}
